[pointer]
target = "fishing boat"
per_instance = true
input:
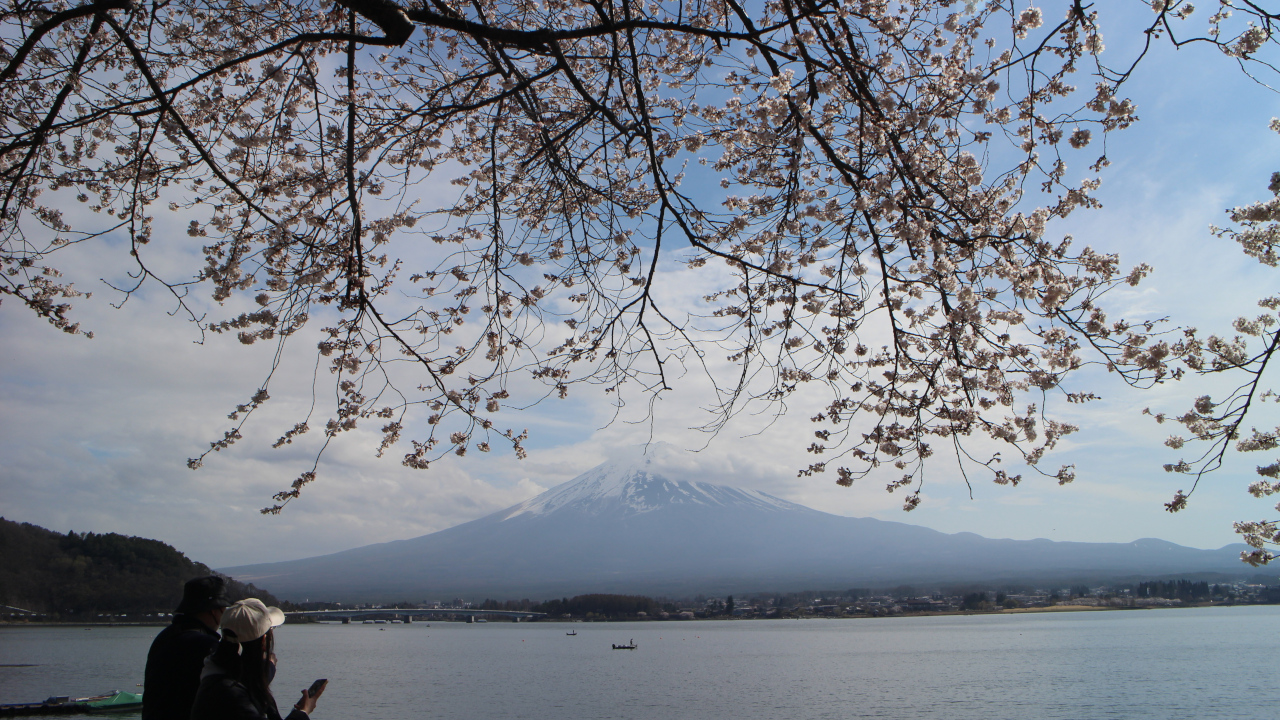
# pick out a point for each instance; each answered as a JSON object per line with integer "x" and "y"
{"x": 629, "y": 646}
{"x": 117, "y": 702}
{"x": 575, "y": 632}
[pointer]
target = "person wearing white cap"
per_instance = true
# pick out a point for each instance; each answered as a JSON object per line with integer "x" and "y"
{"x": 236, "y": 682}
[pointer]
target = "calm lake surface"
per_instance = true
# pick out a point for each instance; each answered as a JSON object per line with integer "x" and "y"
{"x": 1176, "y": 663}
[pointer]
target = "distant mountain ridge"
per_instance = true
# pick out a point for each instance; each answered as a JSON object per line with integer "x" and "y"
{"x": 624, "y": 527}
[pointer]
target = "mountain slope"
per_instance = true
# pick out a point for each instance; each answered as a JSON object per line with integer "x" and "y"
{"x": 623, "y": 527}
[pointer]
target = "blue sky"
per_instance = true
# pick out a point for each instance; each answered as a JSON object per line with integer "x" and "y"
{"x": 95, "y": 434}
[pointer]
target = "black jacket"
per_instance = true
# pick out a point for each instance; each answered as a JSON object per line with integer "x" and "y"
{"x": 222, "y": 697}
{"x": 173, "y": 668}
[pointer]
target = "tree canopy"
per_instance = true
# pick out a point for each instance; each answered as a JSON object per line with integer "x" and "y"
{"x": 487, "y": 191}
{"x": 87, "y": 573}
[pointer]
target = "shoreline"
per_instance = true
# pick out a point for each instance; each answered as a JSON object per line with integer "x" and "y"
{"x": 89, "y": 625}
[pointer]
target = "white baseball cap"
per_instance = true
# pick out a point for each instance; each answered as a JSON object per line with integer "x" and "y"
{"x": 250, "y": 619}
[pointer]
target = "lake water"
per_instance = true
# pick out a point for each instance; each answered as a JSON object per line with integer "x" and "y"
{"x": 1177, "y": 663}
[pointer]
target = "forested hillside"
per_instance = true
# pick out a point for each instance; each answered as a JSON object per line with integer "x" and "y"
{"x": 80, "y": 574}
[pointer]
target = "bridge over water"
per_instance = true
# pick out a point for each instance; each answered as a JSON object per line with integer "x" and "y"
{"x": 348, "y": 614}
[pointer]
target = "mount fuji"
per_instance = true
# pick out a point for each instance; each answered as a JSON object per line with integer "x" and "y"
{"x": 624, "y": 527}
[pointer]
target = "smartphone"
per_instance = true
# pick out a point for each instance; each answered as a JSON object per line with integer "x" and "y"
{"x": 317, "y": 687}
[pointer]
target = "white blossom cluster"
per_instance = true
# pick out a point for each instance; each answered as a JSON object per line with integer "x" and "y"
{"x": 858, "y": 170}
{"x": 1219, "y": 425}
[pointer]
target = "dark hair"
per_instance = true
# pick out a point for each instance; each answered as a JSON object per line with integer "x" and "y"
{"x": 227, "y": 654}
{"x": 255, "y": 669}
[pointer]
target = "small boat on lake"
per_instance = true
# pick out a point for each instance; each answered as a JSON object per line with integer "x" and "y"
{"x": 116, "y": 702}
{"x": 631, "y": 645}
{"x": 575, "y": 632}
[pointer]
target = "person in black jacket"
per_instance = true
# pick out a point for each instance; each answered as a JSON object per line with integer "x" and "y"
{"x": 178, "y": 652}
{"x": 236, "y": 681}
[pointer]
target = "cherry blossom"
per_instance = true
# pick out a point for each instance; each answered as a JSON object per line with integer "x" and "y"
{"x": 866, "y": 188}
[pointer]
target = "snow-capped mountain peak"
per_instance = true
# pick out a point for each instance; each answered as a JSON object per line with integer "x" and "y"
{"x": 638, "y": 485}
{"x": 649, "y": 525}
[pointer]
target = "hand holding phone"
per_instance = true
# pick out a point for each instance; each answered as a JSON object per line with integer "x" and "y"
{"x": 308, "y": 702}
